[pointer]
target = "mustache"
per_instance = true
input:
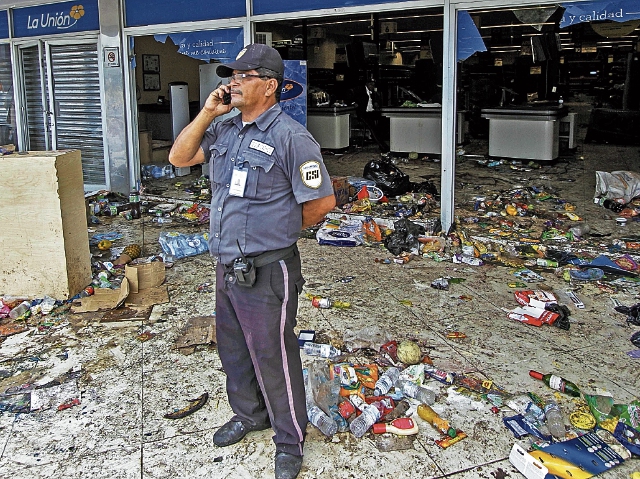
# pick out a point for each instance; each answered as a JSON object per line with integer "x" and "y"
{"x": 236, "y": 92}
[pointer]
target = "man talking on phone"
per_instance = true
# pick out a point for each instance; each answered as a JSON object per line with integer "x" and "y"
{"x": 268, "y": 182}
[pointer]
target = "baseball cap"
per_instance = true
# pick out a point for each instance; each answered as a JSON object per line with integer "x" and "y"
{"x": 253, "y": 56}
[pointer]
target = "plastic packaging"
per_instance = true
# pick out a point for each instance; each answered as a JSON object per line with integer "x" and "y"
{"x": 179, "y": 245}
{"x": 324, "y": 387}
{"x": 554, "y": 420}
{"x": 413, "y": 390}
{"x": 364, "y": 421}
{"x": 322, "y": 350}
{"x": 580, "y": 230}
{"x": 386, "y": 381}
{"x": 317, "y": 416}
{"x": 326, "y": 303}
{"x": 20, "y": 310}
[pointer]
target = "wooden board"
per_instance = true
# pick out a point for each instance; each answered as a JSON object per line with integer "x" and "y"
{"x": 43, "y": 239}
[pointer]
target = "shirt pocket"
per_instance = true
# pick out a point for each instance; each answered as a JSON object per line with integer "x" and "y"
{"x": 219, "y": 164}
{"x": 260, "y": 175}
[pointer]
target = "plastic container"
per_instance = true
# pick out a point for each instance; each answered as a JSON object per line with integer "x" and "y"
{"x": 364, "y": 421}
{"x": 386, "y": 381}
{"x": 134, "y": 201}
{"x": 20, "y": 310}
{"x": 554, "y": 420}
{"x": 319, "y": 419}
{"x": 413, "y": 390}
{"x": 322, "y": 350}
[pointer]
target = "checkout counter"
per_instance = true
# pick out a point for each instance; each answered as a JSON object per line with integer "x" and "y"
{"x": 419, "y": 129}
{"x": 525, "y": 132}
{"x": 330, "y": 125}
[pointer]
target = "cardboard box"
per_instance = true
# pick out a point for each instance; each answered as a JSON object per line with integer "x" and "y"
{"x": 182, "y": 170}
{"x": 144, "y": 140}
{"x": 340, "y": 189}
{"x": 43, "y": 239}
{"x": 141, "y": 287}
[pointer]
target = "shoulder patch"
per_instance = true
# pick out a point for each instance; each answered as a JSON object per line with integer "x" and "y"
{"x": 310, "y": 174}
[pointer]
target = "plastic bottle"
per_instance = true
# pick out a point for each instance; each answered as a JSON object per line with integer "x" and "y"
{"x": 403, "y": 426}
{"x": 580, "y": 230}
{"x": 322, "y": 350}
{"x": 20, "y": 310}
{"x": 386, "y": 381}
{"x": 556, "y": 382}
{"x": 319, "y": 419}
{"x": 364, "y": 421}
{"x": 429, "y": 415}
{"x": 161, "y": 220}
{"x": 554, "y": 420}
{"x": 413, "y": 390}
{"x": 326, "y": 303}
{"x": 134, "y": 200}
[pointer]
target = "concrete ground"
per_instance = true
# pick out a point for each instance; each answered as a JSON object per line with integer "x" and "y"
{"x": 128, "y": 381}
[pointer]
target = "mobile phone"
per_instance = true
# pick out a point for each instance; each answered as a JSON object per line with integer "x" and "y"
{"x": 226, "y": 98}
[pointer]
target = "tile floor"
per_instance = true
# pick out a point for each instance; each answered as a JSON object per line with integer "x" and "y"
{"x": 127, "y": 386}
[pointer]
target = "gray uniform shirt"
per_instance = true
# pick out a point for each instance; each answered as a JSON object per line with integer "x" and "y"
{"x": 283, "y": 168}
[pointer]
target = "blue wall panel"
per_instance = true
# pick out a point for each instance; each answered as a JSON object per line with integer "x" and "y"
{"x": 261, "y": 7}
{"x": 156, "y": 12}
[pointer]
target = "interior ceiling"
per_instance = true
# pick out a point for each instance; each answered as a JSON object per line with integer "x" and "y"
{"x": 501, "y": 29}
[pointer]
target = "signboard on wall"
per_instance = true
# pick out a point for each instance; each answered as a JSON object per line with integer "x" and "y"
{"x": 55, "y": 18}
{"x": 293, "y": 99}
{"x": 615, "y": 10}
{"x": 220, "y": 45}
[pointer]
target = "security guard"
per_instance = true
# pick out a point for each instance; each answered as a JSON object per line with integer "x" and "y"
{"x": 268, "y": 183}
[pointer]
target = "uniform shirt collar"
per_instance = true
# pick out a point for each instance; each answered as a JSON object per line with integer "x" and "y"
{"x": 264, "y": 120}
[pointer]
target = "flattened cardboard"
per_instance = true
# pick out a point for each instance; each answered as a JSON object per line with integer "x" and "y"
{"x": 104, "y": 298}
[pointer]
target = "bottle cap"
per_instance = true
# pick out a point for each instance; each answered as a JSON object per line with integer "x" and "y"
{"x": 379, "y": 428}
{"x": 535, "y": 374}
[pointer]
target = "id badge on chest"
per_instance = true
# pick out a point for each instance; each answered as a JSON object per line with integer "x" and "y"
{"x": 238, "y": 182}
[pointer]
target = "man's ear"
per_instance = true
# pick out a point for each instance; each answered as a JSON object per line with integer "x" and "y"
{"x": 271, "y": 87}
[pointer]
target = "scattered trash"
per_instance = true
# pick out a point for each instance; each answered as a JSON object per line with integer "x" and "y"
{"x": 193, "y": 406}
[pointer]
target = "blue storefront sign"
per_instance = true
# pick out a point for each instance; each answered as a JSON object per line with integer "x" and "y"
{"x": 56, "y": 18}
{"x": 155, "y": 12}
{"x": 261, "y": 7}
{"x": 293, "y": 98}
{"x": 614, "y": 10}
{"x": 4, "y": 24}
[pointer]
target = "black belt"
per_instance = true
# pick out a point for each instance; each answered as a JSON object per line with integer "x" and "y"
{"x": 269, "y": 257}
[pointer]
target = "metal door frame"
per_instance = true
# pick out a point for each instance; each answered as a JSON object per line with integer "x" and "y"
{"x": 49, "y": 113}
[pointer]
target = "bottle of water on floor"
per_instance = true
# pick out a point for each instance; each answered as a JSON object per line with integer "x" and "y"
{"x": 412, "y": 390}
{"x": 554, "y": 420}
{"x": 319, "y": 419}
{"x": 322, "y": 350}
{"x": 386, "y": 381}
{"x": 364, "y": 421}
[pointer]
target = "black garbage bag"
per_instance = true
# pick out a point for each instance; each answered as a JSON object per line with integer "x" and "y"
{"x": 632, "y": 312}
{"x": 404, "y": 236}
{"x": 388, "y": 177}
{"x": 426, "y": 187}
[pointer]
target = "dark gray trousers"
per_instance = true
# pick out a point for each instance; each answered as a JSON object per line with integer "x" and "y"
{"x": 259, "y": 350}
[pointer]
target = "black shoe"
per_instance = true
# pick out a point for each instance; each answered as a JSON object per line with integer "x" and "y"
{"x": 287, "y": 465}
{"x": 233, "y": 432}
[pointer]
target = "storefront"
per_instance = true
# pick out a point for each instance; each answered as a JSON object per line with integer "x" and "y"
{"x": 124, "y": 67}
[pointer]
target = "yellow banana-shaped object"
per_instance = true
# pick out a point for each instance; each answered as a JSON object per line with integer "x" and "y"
{"x": 560, "y": 467}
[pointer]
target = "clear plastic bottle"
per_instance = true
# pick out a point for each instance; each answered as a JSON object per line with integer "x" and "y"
{"x": 386, "y": 381}
{"x": 134, "y": 201}
{"x": 364, "y": 421}
{"x": 20, "y": 310}
{"x": 412, "y": 390}
{"x": 554, "y": 420}
{"x": 319, "y": 419}
{"x": 322, "y": 350}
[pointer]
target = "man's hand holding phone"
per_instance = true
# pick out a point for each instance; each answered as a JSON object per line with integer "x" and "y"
{"x": 219, "y": 100}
